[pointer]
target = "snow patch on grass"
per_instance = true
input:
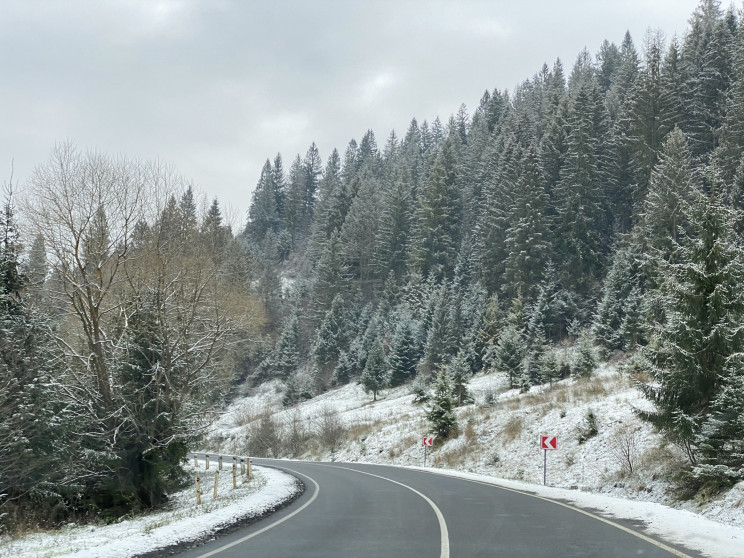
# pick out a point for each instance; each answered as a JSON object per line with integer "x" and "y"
{"x": 183, "y": 520}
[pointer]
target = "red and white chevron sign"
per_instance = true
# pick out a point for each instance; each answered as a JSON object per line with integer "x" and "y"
{"x": 548, "y": 442}
{"x": 428, "y": 441}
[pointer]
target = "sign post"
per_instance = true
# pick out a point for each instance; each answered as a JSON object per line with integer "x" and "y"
{"x": 428, "y": 442}
{"x": 547, "y": 443}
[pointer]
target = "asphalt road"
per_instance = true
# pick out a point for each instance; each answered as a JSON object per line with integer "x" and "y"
{"x": 360, "y": 511}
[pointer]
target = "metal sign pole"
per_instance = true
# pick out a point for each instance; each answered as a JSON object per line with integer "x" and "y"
{"x": 545, "y": 467}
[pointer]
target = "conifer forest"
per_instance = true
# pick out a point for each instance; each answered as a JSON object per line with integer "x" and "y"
{"x": 598, "y": 205}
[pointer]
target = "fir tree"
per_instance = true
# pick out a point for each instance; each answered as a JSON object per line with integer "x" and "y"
{"x": 332, "y": 337}
{"x": 691, "y": 348}
{"x": 459, "y": 374}
{"x": 509, "y": 353}
{"x": 404, "y": 353}
{"x": 440, "y": 412}
{"x": 528, "y": 243}
{"x": 436, "y": 230}
{"x": 374, "y": 377}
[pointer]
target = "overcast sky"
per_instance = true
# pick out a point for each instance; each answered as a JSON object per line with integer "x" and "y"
{"x": 216, "y": 87}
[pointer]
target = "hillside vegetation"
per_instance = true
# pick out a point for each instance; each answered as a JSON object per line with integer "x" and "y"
{"x": 594, "y": 210}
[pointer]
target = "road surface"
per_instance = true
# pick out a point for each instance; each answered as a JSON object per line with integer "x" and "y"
{"x": 365, "y": 511}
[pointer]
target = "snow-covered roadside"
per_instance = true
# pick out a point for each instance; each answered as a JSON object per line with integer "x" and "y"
{"x": 680, "y": 527}
{"x": 184, "y": 521}
{"x": 499, "y": 439}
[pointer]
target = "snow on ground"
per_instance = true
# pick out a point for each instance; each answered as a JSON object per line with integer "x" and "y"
{"x": 184, "y": 521}
{"x": 624, "y": 470}
{"x": 674, "y": 526}
{"x": 498, "y": 443}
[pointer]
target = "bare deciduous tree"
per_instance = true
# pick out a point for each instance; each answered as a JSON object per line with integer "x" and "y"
{"x": 624, "y": 447}
{"x": 146, "y": 313}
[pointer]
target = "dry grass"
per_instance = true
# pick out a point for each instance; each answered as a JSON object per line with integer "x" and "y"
{"x": 453, "y": 458}
{"x": 470, "y": 434}
{"x": 512, "y": 429}
{"x": 246, "y": 415}
{"x": 362, "y": 430}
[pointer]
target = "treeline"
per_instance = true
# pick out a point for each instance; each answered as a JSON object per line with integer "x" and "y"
{"x": 601, "y": 204}
{"x": 122, "y": 330}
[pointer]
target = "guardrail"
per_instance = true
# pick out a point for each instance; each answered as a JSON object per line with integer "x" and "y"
{"x": 246, "y": 470}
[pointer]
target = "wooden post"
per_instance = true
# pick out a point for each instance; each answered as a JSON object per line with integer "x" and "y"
{"x": 207, "y": 459}
{"x": 216, "y": 480}
{"x": 242, "y": 466}
{"x": 250, "y": 468}
{"x": 198, "y": 491}
{"x": 219, "y": 463}
{"x": 196, "y": 461}
{"x": 235, "y": 474}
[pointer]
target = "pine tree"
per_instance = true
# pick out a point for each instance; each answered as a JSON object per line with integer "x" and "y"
{"x": 528, "y": 245}
{"x": 691, "y": 348}
{"x": 394, "y": 231}
{"x": 332, "y": 337}
{"x": 642, "y": 125}
{"x": 509, "y": 353}
{"x": 706, "y": 63}
{"x": 330, "y": 277}
{"x": 440, "y": 413}
{"x": 263, "y": 215}
{"x": 585, "y": 359}
{"x": 285, "y": 358}
{"x": 459, "y": 372}
{"x": 580, "y": 201}
{"x": 404, "y": 353}
{"x": 500, "y": 179}
{"x": 374, "y": 377}
{"x": 623, "y": 278}
{"x": 673, "y": 182}
{"x": 36, "y": 431}
{"x": 359, "y": 232}
{"x": 440, "y": 337}
{"x": 721, "y": 460}
{"x": 436, "y": 231}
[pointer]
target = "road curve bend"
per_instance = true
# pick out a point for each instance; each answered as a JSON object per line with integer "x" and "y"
{"x": 365, "y": 511}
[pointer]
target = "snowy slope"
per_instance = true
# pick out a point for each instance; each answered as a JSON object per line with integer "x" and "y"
{"x": 499, "y": 438}
{"x": 184, "y": 521}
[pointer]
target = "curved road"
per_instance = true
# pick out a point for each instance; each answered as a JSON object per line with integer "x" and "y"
{"x": 360, "y": 511}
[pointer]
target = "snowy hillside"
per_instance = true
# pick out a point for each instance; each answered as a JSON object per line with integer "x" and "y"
{"x": 499, "y": 436}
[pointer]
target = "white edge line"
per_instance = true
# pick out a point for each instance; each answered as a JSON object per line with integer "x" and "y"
{"x": 282, "y": 520}
{"x": 656, "y": 543}
{"x": 442, "y": 524}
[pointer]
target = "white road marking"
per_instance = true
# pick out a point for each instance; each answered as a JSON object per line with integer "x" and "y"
{"x": 282, "y": 520}
{"x": 641, "y": 536}
{"x": 442, "y": 524}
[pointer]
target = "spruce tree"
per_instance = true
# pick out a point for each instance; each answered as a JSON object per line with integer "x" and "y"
{"x": 528, "y": 244}
{"x": 440, "y": 412}
{"x": 691, "y": 349}
{"x": 374, "y": 377}
{"x": 459, "y": 372}
{"x": 37, "y": 443}
{"x": 404, "y": 353}
{"x": 509, "y": 353}
{"x": 332, "y": 337}
{"x": 436, "y": 231}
